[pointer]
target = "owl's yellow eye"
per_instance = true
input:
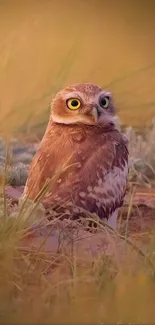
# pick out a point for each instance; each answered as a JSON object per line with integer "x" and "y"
{"x": 104, "y": 102}
{"x": 73, "y": 103}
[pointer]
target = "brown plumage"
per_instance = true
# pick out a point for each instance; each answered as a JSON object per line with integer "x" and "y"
{"x": 82, "y": 133}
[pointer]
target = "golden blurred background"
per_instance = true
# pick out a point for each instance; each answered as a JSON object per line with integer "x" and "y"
{"x": 47, "y": 44}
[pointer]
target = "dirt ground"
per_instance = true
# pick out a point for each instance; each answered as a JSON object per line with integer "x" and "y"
{"x": 137, "y": 222}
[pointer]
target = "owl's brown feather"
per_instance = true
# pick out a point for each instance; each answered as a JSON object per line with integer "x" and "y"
{"x": 96, "y": 179}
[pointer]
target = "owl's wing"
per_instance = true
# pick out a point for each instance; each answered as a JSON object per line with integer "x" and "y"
{"x": 102, "y": 182}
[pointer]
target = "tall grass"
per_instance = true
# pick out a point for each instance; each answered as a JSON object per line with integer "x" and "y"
{"x": 55, "y": 271}
{"x": 71, "y": 276}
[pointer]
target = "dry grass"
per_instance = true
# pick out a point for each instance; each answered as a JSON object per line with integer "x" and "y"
{"x": 142, "y": 160}
{"x": 56, "y": 272}
{"x": 65, "y": 274}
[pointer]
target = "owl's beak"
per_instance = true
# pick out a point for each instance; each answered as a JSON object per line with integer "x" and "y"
{"x": 95, "y": 113}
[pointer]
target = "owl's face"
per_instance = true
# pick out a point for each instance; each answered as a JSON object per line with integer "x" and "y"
{"x": 83, "y": 103}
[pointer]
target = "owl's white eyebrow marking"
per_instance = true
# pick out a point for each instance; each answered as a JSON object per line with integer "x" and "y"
{"x": 105, "y": 93}
{"x": 71, "y": 95}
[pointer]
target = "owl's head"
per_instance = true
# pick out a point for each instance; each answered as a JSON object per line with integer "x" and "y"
{"x": 83, "y": 103}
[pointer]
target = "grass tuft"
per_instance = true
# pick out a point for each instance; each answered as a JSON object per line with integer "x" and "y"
{"x": 55, "y": 272}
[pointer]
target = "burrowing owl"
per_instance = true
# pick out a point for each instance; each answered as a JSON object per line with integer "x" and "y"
{"x": 82, "y": 129}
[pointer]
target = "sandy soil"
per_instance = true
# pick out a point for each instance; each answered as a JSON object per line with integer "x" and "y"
{"x": 138, "y": 224}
